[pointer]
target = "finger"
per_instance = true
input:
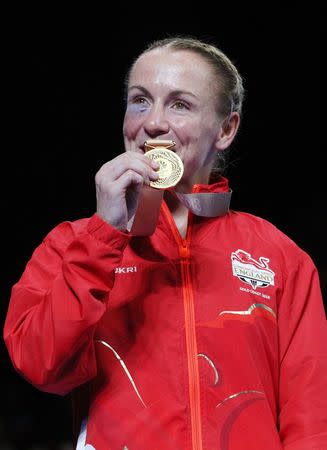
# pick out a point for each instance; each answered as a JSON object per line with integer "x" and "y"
{"x": 128, "y": 179}
{"x": 142, "y": 156}
{"x": 114, "y": 169}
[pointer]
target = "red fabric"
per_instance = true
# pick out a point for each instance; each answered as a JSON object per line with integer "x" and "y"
{"x": 170, "y": 309}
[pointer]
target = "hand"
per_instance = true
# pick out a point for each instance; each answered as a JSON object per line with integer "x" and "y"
{"x": 118, "y": 185}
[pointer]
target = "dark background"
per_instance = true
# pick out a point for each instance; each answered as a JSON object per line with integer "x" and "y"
{"x": 64, "y": 121}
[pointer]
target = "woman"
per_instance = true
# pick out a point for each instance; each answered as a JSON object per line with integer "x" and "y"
{"x": 207, "y": 333}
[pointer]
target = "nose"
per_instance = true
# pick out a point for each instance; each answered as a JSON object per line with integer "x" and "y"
{"x": 156, "y": 123}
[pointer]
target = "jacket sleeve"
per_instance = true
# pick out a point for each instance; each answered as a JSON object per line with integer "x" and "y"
{"x": 303, "y": 360}
{"x": 56, "y": 305}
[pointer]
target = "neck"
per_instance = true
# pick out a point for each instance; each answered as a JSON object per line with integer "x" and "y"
{"x": 174, "y": 205}
{"x": 199, "y": 177}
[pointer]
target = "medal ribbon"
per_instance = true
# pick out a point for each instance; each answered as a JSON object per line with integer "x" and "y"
{"x": 206, "y": 204}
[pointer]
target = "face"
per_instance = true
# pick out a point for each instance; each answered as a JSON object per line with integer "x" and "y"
{"x": 171, "y": 96}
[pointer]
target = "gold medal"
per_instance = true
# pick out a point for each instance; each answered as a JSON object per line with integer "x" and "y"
{"x": 170, "y": 165}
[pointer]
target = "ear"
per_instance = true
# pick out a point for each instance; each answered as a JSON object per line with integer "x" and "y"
{"x": 227, "y": 131}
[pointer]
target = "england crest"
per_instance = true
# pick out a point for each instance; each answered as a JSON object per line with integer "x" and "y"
{"x": 250, "y": 271}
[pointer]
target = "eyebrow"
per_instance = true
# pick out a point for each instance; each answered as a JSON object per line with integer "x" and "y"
{"x": 175, "y": 93}
{"x": 140, "y": 88}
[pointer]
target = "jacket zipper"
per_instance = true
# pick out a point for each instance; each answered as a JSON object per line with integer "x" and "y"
{"x": 191, "y": 345}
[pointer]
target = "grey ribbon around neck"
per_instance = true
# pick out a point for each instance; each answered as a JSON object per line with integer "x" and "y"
{"x": 205, "y": 204}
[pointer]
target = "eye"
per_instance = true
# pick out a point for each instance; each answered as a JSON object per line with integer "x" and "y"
{"x": 139, "y": 100}
{"x": 138, "y": 104}
{"x": 180, "y": 105}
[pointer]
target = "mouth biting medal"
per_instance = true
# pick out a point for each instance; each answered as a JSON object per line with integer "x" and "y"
{"x": 170, "y": 164}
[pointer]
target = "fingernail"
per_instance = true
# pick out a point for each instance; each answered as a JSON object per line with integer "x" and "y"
{"x": 155, "y": 165}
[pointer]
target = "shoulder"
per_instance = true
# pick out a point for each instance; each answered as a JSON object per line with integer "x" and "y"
{"x": 265, "y": 234}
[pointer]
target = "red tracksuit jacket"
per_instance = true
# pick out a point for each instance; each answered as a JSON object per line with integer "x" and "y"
{"x": 216, "y": 341}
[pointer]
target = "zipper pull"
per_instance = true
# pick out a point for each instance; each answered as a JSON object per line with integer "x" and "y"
{"x": 184, "y": 251}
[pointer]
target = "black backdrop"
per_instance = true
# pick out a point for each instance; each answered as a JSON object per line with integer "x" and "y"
{"x": 64, "y": 121}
